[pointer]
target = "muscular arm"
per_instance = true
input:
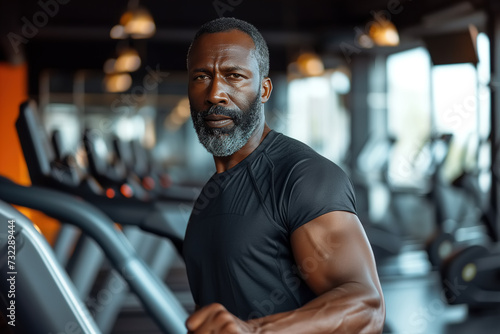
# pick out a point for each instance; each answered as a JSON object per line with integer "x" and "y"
{"x": 336, "y": 261}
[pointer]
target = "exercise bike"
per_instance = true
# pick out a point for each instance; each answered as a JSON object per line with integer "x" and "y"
{"x": 471, "y": 275}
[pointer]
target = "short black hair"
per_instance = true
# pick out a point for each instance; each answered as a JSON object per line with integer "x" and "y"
{"x": 223, "y": 24}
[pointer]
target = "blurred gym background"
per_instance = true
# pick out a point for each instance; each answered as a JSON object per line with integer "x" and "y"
{"x": 402, "y": 94}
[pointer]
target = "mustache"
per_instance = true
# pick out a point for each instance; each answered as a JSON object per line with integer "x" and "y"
{"x": 219, "y": 110}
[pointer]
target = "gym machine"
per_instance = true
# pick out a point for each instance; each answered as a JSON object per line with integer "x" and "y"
{"x": 161, "y": 218}
{"x": 371, "y": 166}
{"x": 471, "y": 274}
{"x": 157, "y": 217}
{"x": 156, "y": 298}
{"x": 36, "y": 294}
{"x": 467, "y": 225}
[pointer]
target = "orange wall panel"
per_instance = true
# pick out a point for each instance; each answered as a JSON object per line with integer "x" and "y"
{"x": 13, "y": 91}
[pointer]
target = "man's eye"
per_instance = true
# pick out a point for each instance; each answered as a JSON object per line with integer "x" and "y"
{"x": 201, "y": 77}
{"x": 235, "y": 75}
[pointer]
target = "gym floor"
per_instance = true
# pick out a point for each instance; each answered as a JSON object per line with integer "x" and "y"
{"x": 412, "y": 293}
{"x": 415, "y": 302}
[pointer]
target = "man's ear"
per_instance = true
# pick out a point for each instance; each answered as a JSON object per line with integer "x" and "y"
{"x": 266, "y": 89}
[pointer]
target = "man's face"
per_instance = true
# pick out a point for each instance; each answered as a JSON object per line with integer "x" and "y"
{"x": 224, "y": 91}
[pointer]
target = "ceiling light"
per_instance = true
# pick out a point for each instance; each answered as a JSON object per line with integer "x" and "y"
{"x": 109, "y": 66}
{"x": 138, "y": 23}
{"x": 117, "y": 82}
{"x": 310, "y": 64}
{"x": 118, "y": 32}
{"x": 365, "y": 41}
{"x": 384, "y": 33}
{"x": 127, "y": 61}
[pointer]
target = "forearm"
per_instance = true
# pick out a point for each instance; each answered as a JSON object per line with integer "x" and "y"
{"x": 346, "y": 309}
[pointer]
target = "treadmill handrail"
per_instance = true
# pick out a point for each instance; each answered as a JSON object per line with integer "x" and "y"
{"x": 157, "y": 299}
{"x": 66, "y": 296}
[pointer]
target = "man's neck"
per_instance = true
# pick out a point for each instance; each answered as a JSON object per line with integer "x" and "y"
{"x": 222, "y": 164}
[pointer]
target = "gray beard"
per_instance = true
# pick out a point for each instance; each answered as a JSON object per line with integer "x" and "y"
{"x": 222, "y": 142}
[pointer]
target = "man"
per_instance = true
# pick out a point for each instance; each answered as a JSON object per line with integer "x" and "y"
{"x": 273, "y": 244}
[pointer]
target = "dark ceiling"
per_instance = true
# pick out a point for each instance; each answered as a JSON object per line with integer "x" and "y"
{"x": 75, "y": 34}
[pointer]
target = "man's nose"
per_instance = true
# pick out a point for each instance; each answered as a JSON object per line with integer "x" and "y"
{"x": 217, "y": 92}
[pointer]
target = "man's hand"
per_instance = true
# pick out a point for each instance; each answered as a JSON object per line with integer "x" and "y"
{"x": 215, "y": 319}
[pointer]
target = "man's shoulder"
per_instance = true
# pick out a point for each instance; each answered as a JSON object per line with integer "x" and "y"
{"x": 286, "y": 152}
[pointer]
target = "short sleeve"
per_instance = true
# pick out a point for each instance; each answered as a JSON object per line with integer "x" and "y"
{"x": 315, "y": 187}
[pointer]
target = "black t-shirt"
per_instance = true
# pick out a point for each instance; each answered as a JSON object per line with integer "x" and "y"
{"x": 237, "y": 245}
